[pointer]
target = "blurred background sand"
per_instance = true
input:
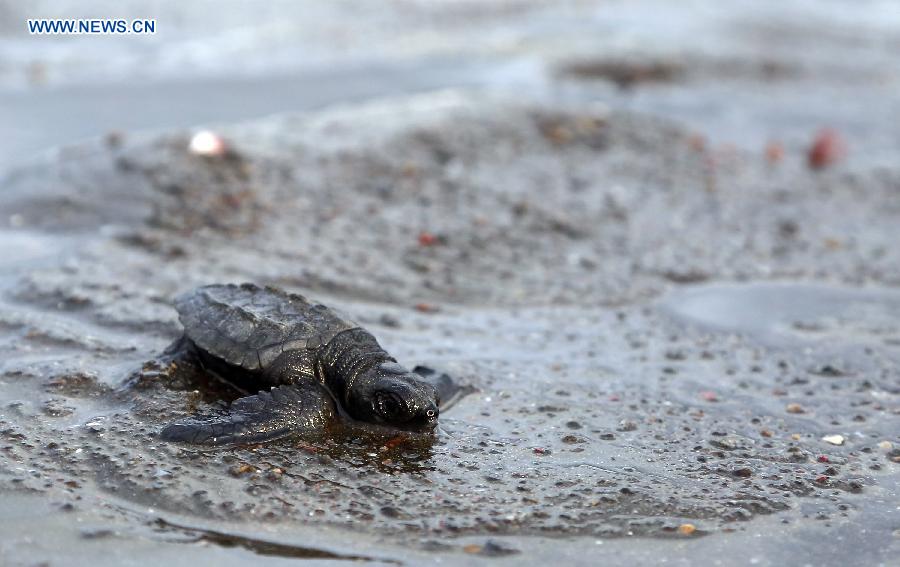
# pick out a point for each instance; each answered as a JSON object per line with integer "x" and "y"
{"x": 742, "y": 73}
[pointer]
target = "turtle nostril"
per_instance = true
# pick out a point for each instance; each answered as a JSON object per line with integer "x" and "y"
{"x": 430, "y": 413}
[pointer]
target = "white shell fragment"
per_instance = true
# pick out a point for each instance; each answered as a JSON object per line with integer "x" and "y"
{"x": 834, "y": 439}
{"x": 207, "y": 143}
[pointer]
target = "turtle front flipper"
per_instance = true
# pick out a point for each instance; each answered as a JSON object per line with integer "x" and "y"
{"x": 449, "y": 390}
{"x": 254, "y": 419}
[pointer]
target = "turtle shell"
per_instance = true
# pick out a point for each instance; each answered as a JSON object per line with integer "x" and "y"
{"x": 250, "y": 326}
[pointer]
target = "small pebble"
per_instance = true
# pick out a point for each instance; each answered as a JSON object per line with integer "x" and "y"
{"x": 241, "y": 469}
{"x": 114, "y": 138}
{"x": 697, "y": 142}
{"x": 774, "y": 152}
{"x": 389, "y": 321}
{"x": 795, "y": 408}
{"x": 489, "y": 549}
{"x": 834, "y": 439}
{"x": 427, "y": 308}
{"x": 827, "y": 148}
{"x": 427, "y": 239}
{"x": 493, "y": 549}
{"x": 472, "y": 548}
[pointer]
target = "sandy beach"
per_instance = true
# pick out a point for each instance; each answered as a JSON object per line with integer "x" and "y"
{"x": 658, "y": 242}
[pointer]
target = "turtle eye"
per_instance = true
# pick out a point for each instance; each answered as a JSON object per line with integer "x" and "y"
{"x": 389, "y": 406}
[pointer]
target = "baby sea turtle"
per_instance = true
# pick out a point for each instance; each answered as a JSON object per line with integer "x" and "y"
{"x": 317, "y": 363}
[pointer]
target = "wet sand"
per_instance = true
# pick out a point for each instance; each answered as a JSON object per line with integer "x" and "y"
{"x": 618, "y": 397}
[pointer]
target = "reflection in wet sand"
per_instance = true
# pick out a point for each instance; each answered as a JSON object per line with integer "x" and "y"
{"x": 779, "y": 312}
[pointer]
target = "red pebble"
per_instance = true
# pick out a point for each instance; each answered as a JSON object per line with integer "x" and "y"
{"x": 427, "y": 308}
{"x": 697, "y": 142}
{"x": 823, "y": 459}
{"x": 709, "y": 396}
{"x": 774, "y": 152}
{"x": 427, "y": 239}
{"x": 614, "y": 398}
{"x": 822, "y": 479}
{"x": 827, "y": 148}
{"x": 541, "y": 451}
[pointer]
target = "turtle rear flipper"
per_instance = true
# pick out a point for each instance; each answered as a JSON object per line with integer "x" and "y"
{"x": 254, "y": 419}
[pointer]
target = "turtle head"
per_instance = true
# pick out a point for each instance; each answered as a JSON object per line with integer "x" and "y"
{"x": 392, "y": 395}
